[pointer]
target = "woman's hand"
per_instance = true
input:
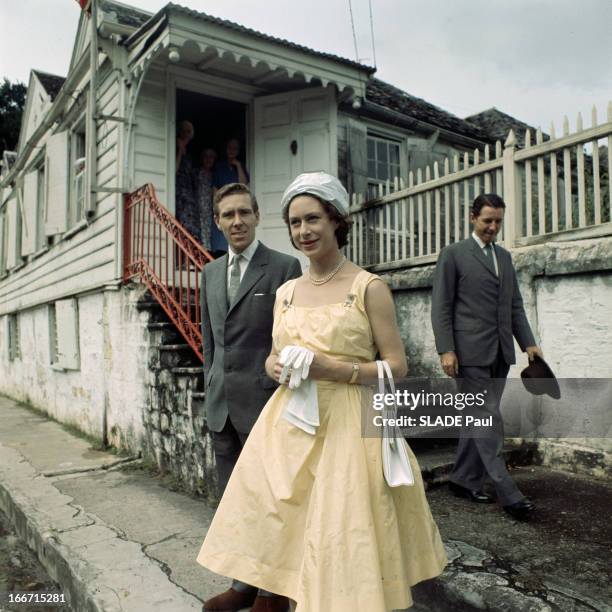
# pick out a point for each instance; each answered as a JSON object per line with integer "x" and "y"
{"x": 276, "y": 373}
{"x": 322, "y": 367}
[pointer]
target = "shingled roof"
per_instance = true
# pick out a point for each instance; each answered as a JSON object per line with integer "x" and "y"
{"x": 393, "y": 98}
{"x": 498, "y": 124}
{"x": 51, "y": 82}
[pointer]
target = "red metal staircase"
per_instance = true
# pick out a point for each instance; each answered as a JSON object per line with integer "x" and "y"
{"x": 164, "y": 256}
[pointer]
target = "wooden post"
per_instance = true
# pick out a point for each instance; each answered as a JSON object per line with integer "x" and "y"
{"x": 596, "y": 177}
{"x": 541, "y": 187}
{"x": 528, "y": 185}
{"x": 512, "y": 193}
{"x": 580, "y": 172}
{"x": 554, "y": 180}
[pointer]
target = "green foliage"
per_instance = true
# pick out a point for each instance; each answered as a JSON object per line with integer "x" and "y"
{"x": 12, "y": 100}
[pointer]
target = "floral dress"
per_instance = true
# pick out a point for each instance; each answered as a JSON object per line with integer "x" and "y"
{"x": 204, "y": 188}
{"x": 187, "y": 211}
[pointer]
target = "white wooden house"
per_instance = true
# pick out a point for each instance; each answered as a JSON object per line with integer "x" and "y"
{"x": 71, "y": 342}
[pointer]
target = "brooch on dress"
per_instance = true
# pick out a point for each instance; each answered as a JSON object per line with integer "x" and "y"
{"x": 350, "y": 300}
{"x": 285, "y": 305}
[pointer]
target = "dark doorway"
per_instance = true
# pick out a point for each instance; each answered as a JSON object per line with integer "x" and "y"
{"x": 215, "y": 121}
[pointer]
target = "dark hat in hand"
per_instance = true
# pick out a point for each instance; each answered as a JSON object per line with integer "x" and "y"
{"x": 538, "y": 378}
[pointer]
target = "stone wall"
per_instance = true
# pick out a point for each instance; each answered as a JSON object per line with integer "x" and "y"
{"x": 177, "y": 437}
{"x": 105, "y": 396}
{"x": 567, "y": 290}
{"x": 139, "y": 387}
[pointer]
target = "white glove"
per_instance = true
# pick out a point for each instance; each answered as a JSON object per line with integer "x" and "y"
{"x": 302, "y": 409}
{"x": 296, "y": 362}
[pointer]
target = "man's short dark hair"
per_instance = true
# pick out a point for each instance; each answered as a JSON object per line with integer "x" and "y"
{"x": 487, "y": 199}
{"x": 344, "y": 223}
{"x": 231, "y": 189}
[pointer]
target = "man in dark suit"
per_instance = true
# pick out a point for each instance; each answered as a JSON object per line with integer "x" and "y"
{"x": 238, "y": 293}
{"x": 476, "y": 311}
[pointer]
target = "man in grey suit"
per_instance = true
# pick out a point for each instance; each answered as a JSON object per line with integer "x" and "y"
{"x": 477, "y": 309}
{"x": 238, "y": 293}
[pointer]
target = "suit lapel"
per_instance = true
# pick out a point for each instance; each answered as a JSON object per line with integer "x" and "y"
{"x": 219, "y": 283}
{"x": 487, "y": 262}
{"x": 254, "y": 271}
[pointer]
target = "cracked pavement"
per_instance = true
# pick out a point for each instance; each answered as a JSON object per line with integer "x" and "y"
{"x": 119, "y": 539}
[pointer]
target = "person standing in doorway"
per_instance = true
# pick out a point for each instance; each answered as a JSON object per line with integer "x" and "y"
{"x": 204, "y": 189}
{"x": 228, "y": 170}
{"x": 476, "y": 311}
{"x": 238, "y": 293}
{"x": 185, "y": 200}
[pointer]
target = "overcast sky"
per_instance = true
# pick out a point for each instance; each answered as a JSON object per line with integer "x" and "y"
{"x": 534, "y": 59}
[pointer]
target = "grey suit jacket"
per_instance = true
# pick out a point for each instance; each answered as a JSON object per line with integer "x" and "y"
{"x": 238, "y": 340}
{"x": 473, "y": 311}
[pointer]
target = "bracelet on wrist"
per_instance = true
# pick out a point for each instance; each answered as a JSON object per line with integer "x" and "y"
{"x": 355, "y": 373}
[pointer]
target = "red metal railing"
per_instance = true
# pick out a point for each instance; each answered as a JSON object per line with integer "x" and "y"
{"x": 165, "y": 256}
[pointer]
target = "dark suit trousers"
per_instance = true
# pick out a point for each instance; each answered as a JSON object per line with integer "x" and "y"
{"x": 479, "y": 456}
{"x": 227, "y": 444}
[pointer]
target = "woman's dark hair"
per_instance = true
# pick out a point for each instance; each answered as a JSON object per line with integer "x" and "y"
{"x": 344, "y": 223}
{"x": 487, "y": 199}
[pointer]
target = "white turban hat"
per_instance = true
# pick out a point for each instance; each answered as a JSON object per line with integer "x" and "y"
{"x": 320, "y": 184}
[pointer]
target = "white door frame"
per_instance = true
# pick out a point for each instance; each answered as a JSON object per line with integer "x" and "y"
{"x": 198, "y": 82}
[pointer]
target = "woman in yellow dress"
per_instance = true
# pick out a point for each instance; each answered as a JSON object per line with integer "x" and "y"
{"x": 311, "y": 516}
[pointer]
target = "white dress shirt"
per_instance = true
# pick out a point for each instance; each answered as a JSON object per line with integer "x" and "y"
{"x": 245, "y": 259}
{"x": 482, "y": 245}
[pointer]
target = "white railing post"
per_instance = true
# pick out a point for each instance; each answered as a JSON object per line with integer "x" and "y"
{"x": 512, "y": 193}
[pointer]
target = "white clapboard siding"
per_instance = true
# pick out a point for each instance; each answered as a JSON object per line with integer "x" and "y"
{"x": 30, "y": 208}
{"x": 108, "y": 133}
{"x": 5, "y": 344}
{"x": 51, "y": 267}
{"x": 56, "y": 161}
{"x": 84, "y": 262}
{"x": 67, "y": 318}
{"x": 12, "y": 211}
{"x": 2, "y": 243}
{"x": 149, "y": 145}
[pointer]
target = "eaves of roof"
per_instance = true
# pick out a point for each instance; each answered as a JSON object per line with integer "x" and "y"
{"x": 230, "y": 25}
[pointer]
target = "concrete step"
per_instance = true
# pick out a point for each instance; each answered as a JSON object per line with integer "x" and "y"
{"x": 160, "y": 325}
{"x": 173, "y": 347}
{"x": 188, "y": 371}
{"x": 177, "y": 355}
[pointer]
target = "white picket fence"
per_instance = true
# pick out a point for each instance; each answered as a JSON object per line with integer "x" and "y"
{"x": 554, "y": 189}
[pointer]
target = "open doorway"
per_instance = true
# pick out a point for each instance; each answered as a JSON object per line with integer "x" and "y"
{"x": 212, "y": 156}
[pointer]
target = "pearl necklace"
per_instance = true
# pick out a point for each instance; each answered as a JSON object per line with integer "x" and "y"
{"x": 328, "y": 277}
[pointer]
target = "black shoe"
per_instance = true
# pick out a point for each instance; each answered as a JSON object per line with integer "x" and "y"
{"x": 475, "y": 495}
{"x": 521, "y": 509}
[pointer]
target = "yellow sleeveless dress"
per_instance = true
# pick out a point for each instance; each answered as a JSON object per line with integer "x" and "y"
{"x": 311, "y": 517}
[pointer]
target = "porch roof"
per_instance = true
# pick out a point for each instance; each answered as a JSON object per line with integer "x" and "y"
{"x": 206, "y": 41}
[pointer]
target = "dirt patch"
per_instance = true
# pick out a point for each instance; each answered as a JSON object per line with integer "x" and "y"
{"x": 567, "y": 542}
{"x": 21, "y": 571}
